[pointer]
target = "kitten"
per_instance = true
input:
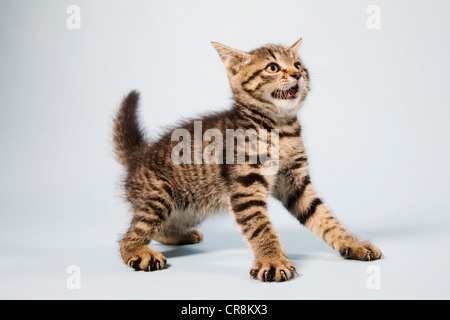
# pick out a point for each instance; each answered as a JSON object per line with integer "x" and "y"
{"x": 169, "y": 198}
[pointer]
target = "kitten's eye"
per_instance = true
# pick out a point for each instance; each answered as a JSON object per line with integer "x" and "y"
{"x": 272, "y": 68}
{"x": 298, "y": 65}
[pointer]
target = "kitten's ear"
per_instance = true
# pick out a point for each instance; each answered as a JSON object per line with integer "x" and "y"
{"x": 231, "y": 58}
{"x": 296, "y": 45}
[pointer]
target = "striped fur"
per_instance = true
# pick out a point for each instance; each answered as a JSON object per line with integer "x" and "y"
{"x": 169, "y": 200}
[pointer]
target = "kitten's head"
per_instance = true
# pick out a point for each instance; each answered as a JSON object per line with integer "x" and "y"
{"x": 272, "y": 77}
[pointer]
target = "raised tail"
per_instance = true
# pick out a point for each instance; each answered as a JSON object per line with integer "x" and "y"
{"x": 128, "y": 137}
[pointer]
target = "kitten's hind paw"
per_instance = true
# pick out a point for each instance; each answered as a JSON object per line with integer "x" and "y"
{"x": 190, "y": 237}
{"x": 144, "y": 258}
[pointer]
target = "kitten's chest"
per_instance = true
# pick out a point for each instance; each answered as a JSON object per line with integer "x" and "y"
{"x": 289, "y": 147}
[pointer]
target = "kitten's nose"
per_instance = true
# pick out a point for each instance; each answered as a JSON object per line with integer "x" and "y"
{"x": 296, "y": 75}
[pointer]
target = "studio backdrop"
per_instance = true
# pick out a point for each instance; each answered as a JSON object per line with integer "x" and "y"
{"x": 375, "y": 126}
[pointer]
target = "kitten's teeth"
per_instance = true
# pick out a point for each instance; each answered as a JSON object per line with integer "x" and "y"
{"x": 290, "y": 93}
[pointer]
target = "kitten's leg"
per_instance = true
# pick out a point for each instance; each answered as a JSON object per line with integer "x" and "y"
{"x": 175, "y": 238}
{"x": 301, "y": 200}
{"x": 248, "y": 203}
{"x": 151, "y": 209}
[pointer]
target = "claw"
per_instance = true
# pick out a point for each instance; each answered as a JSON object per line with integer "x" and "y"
{"x": 345, "y": 252}
{"x": 294, "y": 270}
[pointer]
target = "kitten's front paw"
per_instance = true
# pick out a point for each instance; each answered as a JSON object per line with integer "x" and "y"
{"x": 273, "y": 270}
{"x": 144, "y": 258}
{"x": 360, "y": 251}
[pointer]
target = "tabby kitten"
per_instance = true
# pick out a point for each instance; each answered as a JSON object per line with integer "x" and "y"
{"x": 170, "y": 199}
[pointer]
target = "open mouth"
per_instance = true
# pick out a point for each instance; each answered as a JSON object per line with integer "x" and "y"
{"x": 287, "y": 94}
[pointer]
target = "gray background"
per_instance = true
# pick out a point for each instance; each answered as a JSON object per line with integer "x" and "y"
{"x": 375, "y": 126}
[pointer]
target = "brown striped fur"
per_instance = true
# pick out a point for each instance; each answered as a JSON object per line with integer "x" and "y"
{"x": 169, "y": 200}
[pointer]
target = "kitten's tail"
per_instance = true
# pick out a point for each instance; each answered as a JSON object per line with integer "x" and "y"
{"x": 128, "y": 137}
